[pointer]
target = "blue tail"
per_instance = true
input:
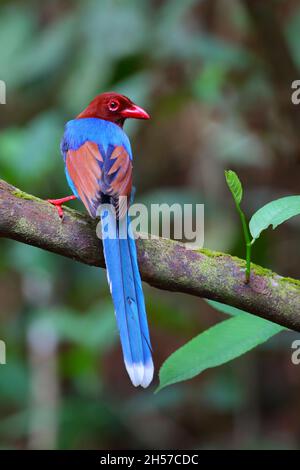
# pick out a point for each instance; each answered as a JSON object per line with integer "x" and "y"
{"x": 126, "y": 290}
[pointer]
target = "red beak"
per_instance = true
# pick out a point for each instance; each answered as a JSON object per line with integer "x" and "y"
{"x": 135, "y": 112}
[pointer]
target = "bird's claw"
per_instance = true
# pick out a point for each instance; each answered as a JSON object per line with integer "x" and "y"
{"x": 59, "y": 202}
{"x": 58, "y": 206}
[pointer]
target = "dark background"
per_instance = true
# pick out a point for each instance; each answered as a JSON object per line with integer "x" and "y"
{"x": 216, "y": 77}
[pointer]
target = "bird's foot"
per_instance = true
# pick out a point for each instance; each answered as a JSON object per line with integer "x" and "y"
{"x": 59, "y": 202}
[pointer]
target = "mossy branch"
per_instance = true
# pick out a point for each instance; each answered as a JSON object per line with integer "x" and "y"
{"x": 164, "y": 263}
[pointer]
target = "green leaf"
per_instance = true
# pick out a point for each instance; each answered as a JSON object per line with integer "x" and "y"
{"x": 234, "y": 185}
{"x": 223, "y": 308}
{"x": 236, "y": 189}
{"x": 274, "y": 213}
{"x": 217, "y": 345}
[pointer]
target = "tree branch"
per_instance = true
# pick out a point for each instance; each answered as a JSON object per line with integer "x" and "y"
{"x": 164, "y": 263}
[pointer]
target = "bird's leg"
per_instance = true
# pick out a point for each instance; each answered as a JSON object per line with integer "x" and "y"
{"x": 59, "y": 202}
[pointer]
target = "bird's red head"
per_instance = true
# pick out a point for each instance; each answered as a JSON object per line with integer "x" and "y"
{"x": 113, "y": 107}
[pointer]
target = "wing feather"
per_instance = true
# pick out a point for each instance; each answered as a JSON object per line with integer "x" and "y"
{"x": 95, "y": 174}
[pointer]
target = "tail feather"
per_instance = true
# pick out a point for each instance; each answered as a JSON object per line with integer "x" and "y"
{"x": 126, "y": 289}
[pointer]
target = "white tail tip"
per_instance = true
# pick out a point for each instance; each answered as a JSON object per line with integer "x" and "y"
{"x": 139, "y": 373}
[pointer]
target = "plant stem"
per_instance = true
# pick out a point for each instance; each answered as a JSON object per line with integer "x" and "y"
{"x": 247, "y": 242}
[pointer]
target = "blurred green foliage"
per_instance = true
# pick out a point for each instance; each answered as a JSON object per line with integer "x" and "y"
{"x": 198, "y": 67}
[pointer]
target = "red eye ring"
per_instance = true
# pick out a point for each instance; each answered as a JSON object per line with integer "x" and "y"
{"x": 113, "y": 105}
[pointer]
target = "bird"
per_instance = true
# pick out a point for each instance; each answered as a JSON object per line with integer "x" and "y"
{"x": 98, "y": 166}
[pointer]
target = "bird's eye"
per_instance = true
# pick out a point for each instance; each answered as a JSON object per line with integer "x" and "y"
{"x": 113, "y": 106}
